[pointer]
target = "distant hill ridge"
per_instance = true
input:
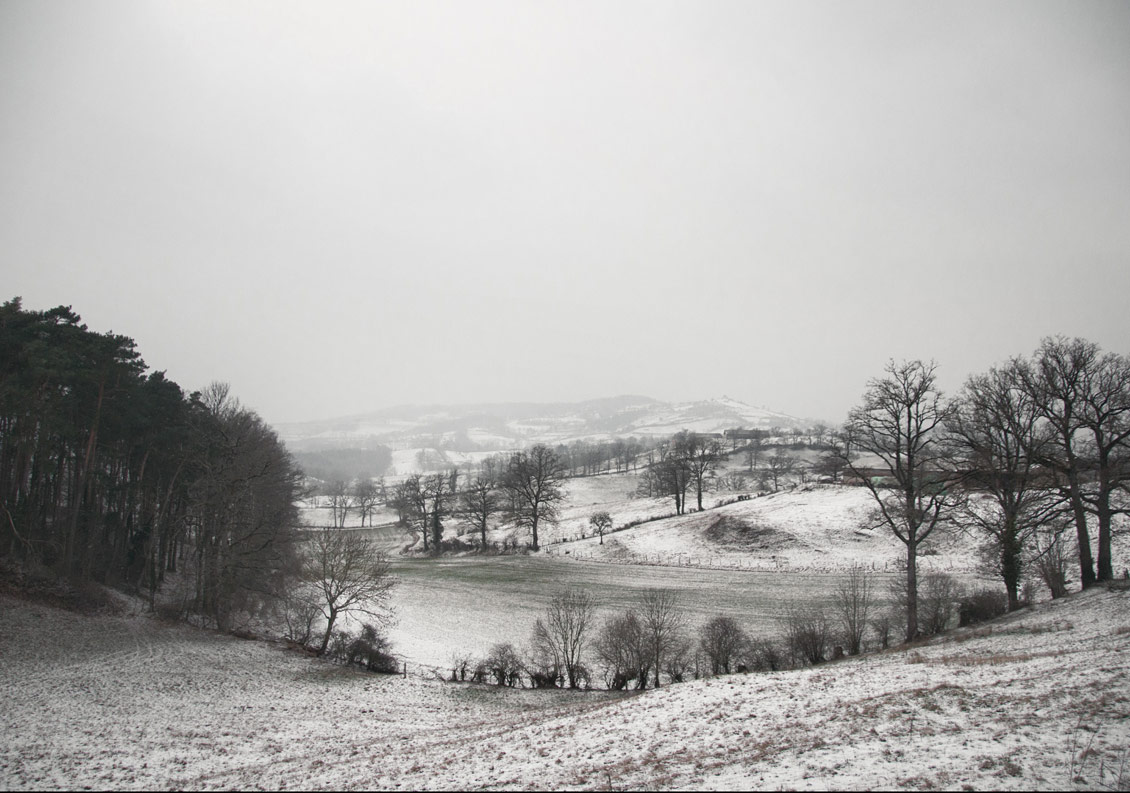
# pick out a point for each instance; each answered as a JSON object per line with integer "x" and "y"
{"x": 508, "y": 425}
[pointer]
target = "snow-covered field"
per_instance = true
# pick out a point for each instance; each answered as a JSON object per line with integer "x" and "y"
{"x": 456, "y": 606}
{"x": 1038, "y": 700}
{"x": 813, "y": 528}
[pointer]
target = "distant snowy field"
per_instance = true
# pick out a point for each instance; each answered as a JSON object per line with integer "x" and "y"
{"x": 751, "y": 560}
{"x": 1040, "y": 700}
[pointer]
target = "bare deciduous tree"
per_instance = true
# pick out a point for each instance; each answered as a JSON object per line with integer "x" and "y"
{"x": 534, "y": 480}
{"x": 779, "y": 465}
{"x": 853, "y": 602}
{"x": 672, "y": 471}
{"x": 601, "y": 522}
{"x": 899, "y": 424}
{"x": 561, "y": 638}
{"x": 1051, "y": 558}
{"x": 1059, "y": 381}
{"x": 478, "y": 503}
{"x": 1105, "y": 421}
{"x": 340, "y": 500}
{"x": 504, "y": 664}
{"x": 622, "y": 649}
{"x": 349, "y": 574}
{"x": 702, "y": 455}
{"x": 366, "y": 496}
{"x": 663, "y": 624}
{"x": 998, "y": 440}
{"x": 807, "y": 634}
{"x": 723, "y": 642}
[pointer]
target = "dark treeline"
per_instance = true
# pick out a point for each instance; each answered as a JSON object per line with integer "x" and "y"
{"x": 1032, "y": 458}
{"x": 585, "y": 458}
{"x": 113, "y": 474}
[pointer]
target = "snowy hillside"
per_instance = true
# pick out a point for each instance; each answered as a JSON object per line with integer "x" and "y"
{"x": 496, "y": 427}
{"x": 815, "y": 527}
{"x": 1039, "y": 700}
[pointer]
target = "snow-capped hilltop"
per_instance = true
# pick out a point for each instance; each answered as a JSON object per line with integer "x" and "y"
{"x": 712, "y": 415}
{"x": 497, "y": 426}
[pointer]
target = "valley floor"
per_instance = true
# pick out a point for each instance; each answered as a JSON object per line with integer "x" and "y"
{"x": 1038, "y": 700}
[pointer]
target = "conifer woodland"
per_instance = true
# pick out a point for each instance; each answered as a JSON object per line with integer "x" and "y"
{"x": 110, "y": 473}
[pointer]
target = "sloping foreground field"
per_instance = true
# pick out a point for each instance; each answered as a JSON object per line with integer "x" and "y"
{"x": 1039, "y": 700}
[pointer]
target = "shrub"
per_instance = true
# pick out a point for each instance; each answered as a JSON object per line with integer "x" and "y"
{"x": 768, "y": 656}
{"x": 807, "y": 634}
{"x": 982, "y": 605}
{"x": 455, "y": 545}
{"x": 883, "y": 625}
{"x": 937, "y": 603}
{"x": 504, "y": 665}
{"x": 370, "y": 649}
{"x": 724, "y": 644}
{"x": 622, "y": 651}
{"x": 853, "y": 603}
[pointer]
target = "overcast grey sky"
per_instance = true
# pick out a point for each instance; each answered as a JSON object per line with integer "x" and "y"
{"x": 337, "y": 207}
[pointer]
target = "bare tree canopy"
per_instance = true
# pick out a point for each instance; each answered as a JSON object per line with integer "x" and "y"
{"x": 349, "y": 574}
{"x": 663, "y": 625}
{"x": 560, "y": 639}
{"x": 601, "y": 522}
{"x": 534, "y": 480}
{"x": 478, "y": 503}
{"x": 853, "y": 602}
{"x": 1084, "y": 396}
{"x": 899, "y": 424}
{"x": 723, "y": 642}
{"x": 998, "y": 439}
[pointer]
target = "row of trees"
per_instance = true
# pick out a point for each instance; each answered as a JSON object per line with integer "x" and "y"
{"x": 586, "y": 458}
{"x": 113, "y": 474}
{"x": 652, "y": 642}
{"x": 526, "y": 491}
{"x": 686, "y": 460}
{"x": 1034, "y": 447}
{"x": 641, "y": 647}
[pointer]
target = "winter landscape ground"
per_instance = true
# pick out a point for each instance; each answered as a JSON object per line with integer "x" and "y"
{"x": 1040, "y": 699}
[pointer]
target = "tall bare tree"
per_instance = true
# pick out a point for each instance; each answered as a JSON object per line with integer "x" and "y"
{"x": 434, "y": 490}
{"x": 899, "y": 424}
{"x": 534, "y": 481}
{"x": 778, "y": 465}
{"x": 999, "y": 437}
{"x": 563, "y": 635}
{"x": 349, "y": 574}
{"x": 1085, "y": 398}
{"x": 478, "y": 503}
{"x": 853, "y": 603}
{"x": 671, "y": 471}
{"x": 664, "y": 622}
{"x": 340, "y": 500}
{"x": 1058, "y": 380}
{"x": 702, "y": 455}
{"x": 366, "y": 496}
{"x": 1105, "y": 423}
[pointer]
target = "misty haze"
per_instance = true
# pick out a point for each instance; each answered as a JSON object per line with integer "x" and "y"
{"x": 498, "y": 395}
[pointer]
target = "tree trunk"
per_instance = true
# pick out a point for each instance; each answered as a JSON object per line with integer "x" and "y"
{"x": 911, "y": 590}
{"x": 1011, "y": 565}
{"x": 329, "y": 630}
